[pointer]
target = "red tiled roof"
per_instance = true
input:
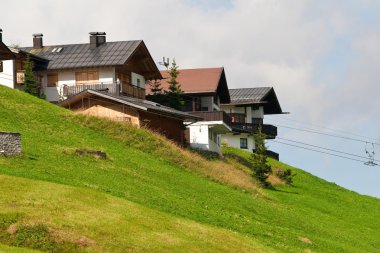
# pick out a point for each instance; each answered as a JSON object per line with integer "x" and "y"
{"x": 204, "y": 80}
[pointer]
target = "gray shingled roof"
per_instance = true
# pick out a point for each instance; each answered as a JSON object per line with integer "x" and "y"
{"x": 248, "y": 95}
{"x": 80, "y": 55}
{"x": 136, "y": 103}
{"x": 265, "y": 96}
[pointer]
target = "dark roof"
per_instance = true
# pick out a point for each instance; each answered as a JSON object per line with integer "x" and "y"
{"x": 248, "y": 95}
{"x": 5, "y": 52}
{"x": 39, "y": 63}
{"x": 81, "y": 55}
{"x": 139, "y": 104}
{"x": 199, "y": 81}
{"x": 254, "y": 96}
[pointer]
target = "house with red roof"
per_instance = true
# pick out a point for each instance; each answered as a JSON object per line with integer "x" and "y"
{"x": 230, "y": 116}
{"x": 204, "y": 90}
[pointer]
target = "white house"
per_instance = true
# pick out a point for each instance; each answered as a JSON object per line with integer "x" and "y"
{"x": 64, "y": 70}
{"x": 204, "y": 90}
{"x": 247, "y": 108}
{"x": 6, "y": 64}
{"x": 99, "y": 78}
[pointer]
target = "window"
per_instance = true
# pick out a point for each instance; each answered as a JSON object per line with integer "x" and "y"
{"x": 84, "y": 77}
{"x": 243, "y": 143}
{"x": 1, "y": 66}
{"x": 237, "y": 117}
{"x": 52, "y": 80}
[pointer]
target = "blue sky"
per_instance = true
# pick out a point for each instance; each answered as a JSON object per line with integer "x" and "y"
{"x": 322, "y": 58}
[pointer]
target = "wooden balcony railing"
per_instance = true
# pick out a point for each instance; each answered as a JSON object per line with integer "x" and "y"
{"x": 214, "y": 116}
{"x": 133, "y": 91}
{"x": 269, "y": 130}
{"x": 111, "y": 88}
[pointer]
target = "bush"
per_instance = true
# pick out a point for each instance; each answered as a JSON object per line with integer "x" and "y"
{"x": 285, "y": 175}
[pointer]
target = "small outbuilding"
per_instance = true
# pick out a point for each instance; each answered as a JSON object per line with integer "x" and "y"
{"x": 139, "y": 112}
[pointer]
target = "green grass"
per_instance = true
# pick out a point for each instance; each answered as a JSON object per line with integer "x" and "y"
{"x": 8, "y": 249}
{"x": 61, "y": 218}
{"x": 155, "y": 175}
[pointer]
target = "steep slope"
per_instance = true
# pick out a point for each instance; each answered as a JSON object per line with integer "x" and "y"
{"x": 82, "y": 219}
{"x": 312, "y": 215}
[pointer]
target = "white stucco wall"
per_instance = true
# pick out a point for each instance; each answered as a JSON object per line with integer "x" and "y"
{"x": 134, "y": 78}
{"x": 199, "y": 138}
{"x": 67, "y": 77}
{"x": 257, "y": 113}
{"x": 6, "y": 77}
{"x": 234, "y": 141}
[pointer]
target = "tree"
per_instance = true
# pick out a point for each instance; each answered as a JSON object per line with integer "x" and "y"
{"x": 174, "y": 86}
{"x": 155, "y": 87}
{"x": 174, "y": 93}
{"x": 173, "y": 96}
{"x": 260, "y": 164}
{"x": 30, "y": 81}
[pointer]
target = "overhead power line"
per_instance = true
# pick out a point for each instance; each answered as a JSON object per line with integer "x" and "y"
{"x": 318, "y": 126}
{"x": 328, "y": 134}
{"x": 324, "y": 148}
{"x": 319, "y": 151}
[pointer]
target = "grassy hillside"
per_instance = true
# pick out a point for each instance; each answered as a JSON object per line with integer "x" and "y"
{"x": 78, "y": 219}
{"x": 167, "y": 186}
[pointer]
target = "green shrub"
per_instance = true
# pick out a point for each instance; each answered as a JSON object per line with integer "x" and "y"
{"x": 285, "y": 175}
{"x": 6, "y": 219}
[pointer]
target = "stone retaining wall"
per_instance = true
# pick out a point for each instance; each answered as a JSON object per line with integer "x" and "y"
{"x": 10, "y": 144}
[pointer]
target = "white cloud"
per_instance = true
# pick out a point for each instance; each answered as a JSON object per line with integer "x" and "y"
{"x": 284, "y": 43}
{"x": 260, "y": 42}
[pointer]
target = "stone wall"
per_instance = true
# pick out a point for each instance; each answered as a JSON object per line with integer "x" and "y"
{"x": 10, "y": 144}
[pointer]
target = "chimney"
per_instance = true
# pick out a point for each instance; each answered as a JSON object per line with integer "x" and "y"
{"x": 1, "y": 35}
{"x": 37, "y": 40}
{"x": 97, "y": 39}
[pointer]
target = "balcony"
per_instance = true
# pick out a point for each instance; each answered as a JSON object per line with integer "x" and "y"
{"x": 114, "y": 88}
{"x": 269, "y": 130}
{"x": 133, "y": 91}
{"x": 214, "y": 116}
{"x": 111, "y": 88}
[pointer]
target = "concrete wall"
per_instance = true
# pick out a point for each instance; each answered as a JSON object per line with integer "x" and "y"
{"x": 259, "y": 113}
{"x": 10, "y": 144}
{"x": 234, "y": 141}
{"x": 200, "y": 138}
{"x": 67, "y": 77}
{"x": 6, "y": 77}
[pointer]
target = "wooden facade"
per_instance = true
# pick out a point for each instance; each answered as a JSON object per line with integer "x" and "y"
{"x": 171, "y": 128}
{"x": 104, "y": 108}
{"x": 93, "y": 105}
